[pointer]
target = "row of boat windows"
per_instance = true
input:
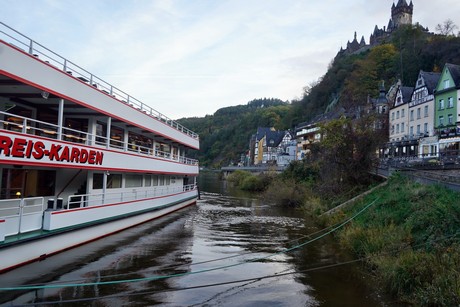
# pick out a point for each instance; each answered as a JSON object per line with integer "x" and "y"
{"x": 77, "y": 130}
{"x": 115, "y": 181}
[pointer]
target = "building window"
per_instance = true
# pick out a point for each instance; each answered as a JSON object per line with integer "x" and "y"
{"x": 450, "y": 119}
{"x": 450, "y": 102}
{"x": 441, "y": 104}
{"x": 411, "y": 130}
{"x": 397, "y": 115}
{"x": 403, "y": 113}
{"x": 411, "y": 115}
{"x": 392, "y": 115}
{"x": 419, "y": 113}
{"x": 426, "y": 111}
{"x": 418, "y": 129}
{"x": 392, "y": 129}
{"x": 402, "y": 127}
{"x": 397, "y": 128}
{"x": 441, "y": 120}
{"x": 446, "y": 83}
{"x": 425, "y": 128}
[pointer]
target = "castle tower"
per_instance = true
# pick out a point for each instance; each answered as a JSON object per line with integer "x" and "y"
{"x": 401, "y": 14}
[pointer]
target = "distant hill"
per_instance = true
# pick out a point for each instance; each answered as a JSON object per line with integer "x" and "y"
{"x": 225, "y": 135}
{"x": 349, "y": 81}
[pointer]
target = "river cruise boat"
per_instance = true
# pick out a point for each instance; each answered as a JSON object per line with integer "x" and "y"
{"x": 79, "y": 158}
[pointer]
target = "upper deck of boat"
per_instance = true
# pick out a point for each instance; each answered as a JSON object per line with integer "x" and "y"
{"x": 33, "y": 75}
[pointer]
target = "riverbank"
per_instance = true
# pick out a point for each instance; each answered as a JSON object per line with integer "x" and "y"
{"x": 409, "y": 239}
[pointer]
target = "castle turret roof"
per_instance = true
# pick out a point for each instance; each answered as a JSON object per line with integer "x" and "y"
{"x": 402, "y": 3}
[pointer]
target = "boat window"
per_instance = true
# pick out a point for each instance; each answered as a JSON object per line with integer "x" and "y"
{"x": 114, "y": 181}
{"x": 162, "y": 180}
{"x": 167, "y": 180}
{"x": 97, "y": 181}
{"x": 72, "y": 128}
{"x": 15, "y": 123}
{"x": 155, "y": 180}
{"x": 138, "y": 142}
{"x": 133, "y": 181}
{"x": 101, "y": 133}
{"x": 26, "y": 182}
{"x": 148, "y": 180}
{"x": 116, "y": 137}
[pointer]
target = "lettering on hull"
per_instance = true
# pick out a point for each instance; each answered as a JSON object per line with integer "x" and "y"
{"x": 37, "y": 150}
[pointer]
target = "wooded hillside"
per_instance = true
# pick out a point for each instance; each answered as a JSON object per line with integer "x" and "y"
{"x": 350, "y": 79}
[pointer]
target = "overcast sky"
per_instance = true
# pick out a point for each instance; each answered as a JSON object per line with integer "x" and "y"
{"x": 191, "y": 57}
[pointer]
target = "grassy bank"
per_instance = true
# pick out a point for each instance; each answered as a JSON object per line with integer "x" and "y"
{"x": 410, "y": 239}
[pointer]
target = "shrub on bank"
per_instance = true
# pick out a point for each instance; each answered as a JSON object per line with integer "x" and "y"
{"x": 411, "y": 239}
{"x": 249, "y": 182}
{"x": 288, "y": 192}
{"x": 237, "y": 177}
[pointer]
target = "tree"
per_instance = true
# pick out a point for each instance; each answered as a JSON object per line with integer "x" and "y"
{"x": 447, "y": 28}
{"x": 346, "y": 153}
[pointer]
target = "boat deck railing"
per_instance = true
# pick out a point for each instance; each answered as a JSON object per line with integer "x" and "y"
{"x": 31, "y": 126}
{"x": 97, "y": 199}
{"x": 22, "y": 214}
{"x": 51, "y": 58}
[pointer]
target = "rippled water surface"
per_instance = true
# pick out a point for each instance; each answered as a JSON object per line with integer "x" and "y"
{"x": 228, "y": 250}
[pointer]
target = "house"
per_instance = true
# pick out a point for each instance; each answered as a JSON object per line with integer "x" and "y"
{"x": 421, "y": 110}
{"x": 308, "y": 133}
{"x": 286, "y": 150}
{"x": 269, "y": 144}
{"x": 402, "y": 142}
{"x": 379, "y": 108}
{"x": 447, "y": 106}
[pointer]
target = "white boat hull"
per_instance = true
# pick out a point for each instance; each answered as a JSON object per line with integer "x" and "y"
{"x": 44, "y": 246}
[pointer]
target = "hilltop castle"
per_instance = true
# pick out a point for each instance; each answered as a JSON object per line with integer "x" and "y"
{"x": 401, "y": 14}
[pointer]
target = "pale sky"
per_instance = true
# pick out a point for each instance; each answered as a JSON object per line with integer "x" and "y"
{"x": 191, "y": 57}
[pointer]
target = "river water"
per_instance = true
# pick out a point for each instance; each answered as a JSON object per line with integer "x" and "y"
{"x": 231, "y": 249}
